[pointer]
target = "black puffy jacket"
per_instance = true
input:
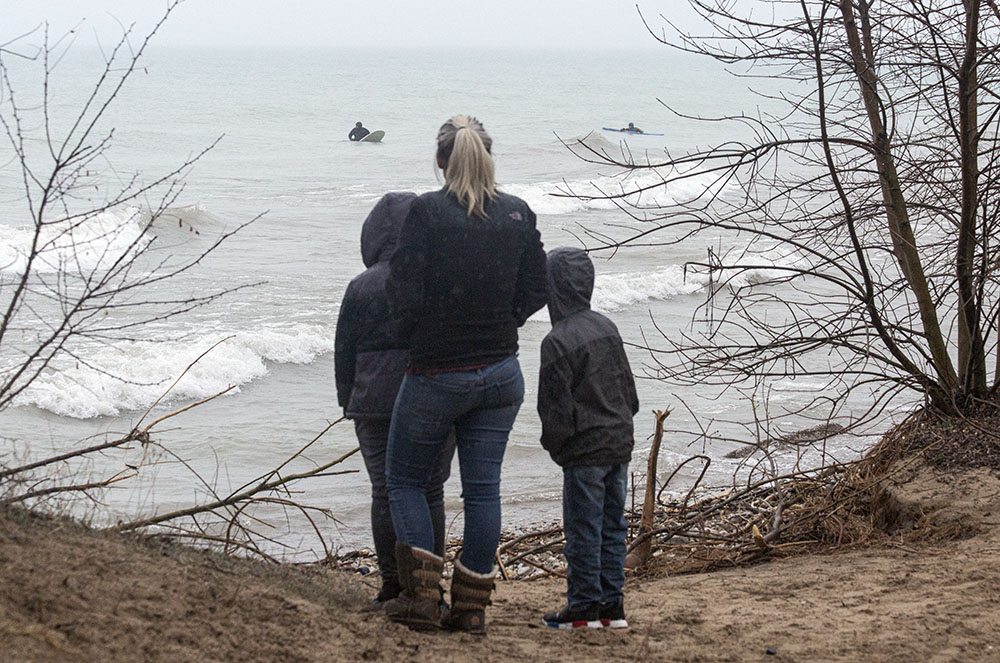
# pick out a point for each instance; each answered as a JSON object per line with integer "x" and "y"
{"x": 460, "y": 285}
{"x": 586, "y": 392}
{"x": 370, "y": 358}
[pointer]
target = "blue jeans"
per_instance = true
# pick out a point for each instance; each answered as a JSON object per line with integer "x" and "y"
{"x": 595, "y": 528}
{"x": 373, "y": 436}
{"x": 481, "y": 405}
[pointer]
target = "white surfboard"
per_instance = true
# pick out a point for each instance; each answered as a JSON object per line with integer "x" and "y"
{"x": 373, "y": 137}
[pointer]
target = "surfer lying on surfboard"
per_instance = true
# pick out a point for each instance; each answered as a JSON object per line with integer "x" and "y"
{"x": 631, "y": 129}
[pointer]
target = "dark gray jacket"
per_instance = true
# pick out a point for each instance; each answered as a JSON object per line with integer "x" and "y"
{"x": 586, "y": 392}
{"x": 461, "y": 286}
{"x": 370, "y": 358}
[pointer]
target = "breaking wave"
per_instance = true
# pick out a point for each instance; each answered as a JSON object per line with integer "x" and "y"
{"x": 130, "y": 376}
{"x": 97, "y": 242}
{"x": 78, "y": 245}
{"x": 643, "y": 189}
{"x": 615, "y": 292}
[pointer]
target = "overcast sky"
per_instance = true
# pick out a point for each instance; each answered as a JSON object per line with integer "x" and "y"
{"x": 514, "y": 24}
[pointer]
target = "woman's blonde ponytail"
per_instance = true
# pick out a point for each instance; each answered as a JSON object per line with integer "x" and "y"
{"x": 464, "y": 153}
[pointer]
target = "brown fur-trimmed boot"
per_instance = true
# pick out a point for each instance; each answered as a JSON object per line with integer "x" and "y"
{"x": 470, "y": 594}
{"x": 418, "y": 605}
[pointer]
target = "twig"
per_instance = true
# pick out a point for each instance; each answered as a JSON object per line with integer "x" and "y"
{"x": 529, "y": 535}
{"x": 241, "y": 496}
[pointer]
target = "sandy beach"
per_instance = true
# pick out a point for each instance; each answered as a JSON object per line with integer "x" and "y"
{"x": 72, "y": 594}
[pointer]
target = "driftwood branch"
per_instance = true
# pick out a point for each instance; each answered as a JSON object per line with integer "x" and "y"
{"x": 641, "y": 555}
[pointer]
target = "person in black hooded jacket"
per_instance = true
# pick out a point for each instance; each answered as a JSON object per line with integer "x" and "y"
{"x": 358, "y": 132}
{"x": 586, "y": 401}
{"x": 369, "y": 362}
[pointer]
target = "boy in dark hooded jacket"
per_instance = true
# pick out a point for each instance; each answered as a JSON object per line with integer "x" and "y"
{"x": 586, "y": 401}
{"x": 369, "y": 362}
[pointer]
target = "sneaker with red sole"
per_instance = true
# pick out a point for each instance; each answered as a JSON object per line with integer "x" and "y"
{"x": 589, "y": 617}
{"x": 612, "y": 615}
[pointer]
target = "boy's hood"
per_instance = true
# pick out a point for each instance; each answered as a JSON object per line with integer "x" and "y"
{"x": 570, "y": 280}
{"x": 380, "y": 231}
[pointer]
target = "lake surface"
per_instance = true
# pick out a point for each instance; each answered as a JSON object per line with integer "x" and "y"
{"x": 284, "y": 117}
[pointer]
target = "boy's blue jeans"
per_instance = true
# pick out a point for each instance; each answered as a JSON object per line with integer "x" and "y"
{"x": 595, "y": 528}
{"x": 481, "y": 405}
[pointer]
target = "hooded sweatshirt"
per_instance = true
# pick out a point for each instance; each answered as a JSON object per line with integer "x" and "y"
{"x": 586, "y": 392}
{"x": 370, "y": 358}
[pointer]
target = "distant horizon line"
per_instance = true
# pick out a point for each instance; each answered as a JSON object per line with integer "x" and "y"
{"x": 155, "y": 46}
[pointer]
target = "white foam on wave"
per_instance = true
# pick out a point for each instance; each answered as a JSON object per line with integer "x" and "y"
{"x": 617, "y": 292}
{"x": 131, "y": 376}
{"x": 542, "y": 198}
{"x": 642, "y": 189}
{"x": 81, "y": 245}
{"x": 761, "y": 266}
{"x": 620, "y": 291}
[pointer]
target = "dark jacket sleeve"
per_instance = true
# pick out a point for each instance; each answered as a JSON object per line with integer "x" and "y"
{"x": 531, "y": 282}
{"x": 555, "y": 398}
{"x": 405, "y": 286}
{"x": 345, "y": 346}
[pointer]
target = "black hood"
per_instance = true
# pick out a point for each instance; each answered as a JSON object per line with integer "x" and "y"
{"x": 381, "y": 229}
{"x": 570, "y": 281}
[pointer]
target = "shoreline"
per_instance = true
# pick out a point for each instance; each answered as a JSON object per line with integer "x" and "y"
{"x": 363, "y": 561}
{"x": 75, "y": 595}
{"x": 894, "y": 557}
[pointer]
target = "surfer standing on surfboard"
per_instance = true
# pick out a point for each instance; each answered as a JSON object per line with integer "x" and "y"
{"x": 359, "y": 132}
{"x": 630, "y": 128}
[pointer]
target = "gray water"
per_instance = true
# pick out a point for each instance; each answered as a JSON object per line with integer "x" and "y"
{"x": 284, "y": 117}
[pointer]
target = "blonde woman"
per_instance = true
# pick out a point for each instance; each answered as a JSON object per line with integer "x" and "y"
{"x": 469, "y": 269}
